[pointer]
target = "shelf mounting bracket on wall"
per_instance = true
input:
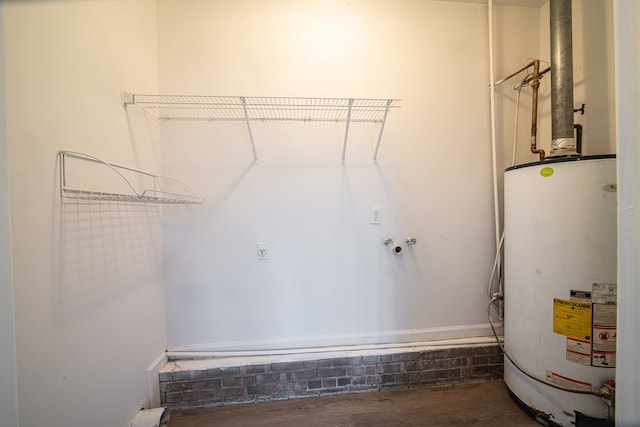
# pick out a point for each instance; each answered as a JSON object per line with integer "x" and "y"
{"x": 252, "y": 108}
{"x": 346, "y": 130}
{"x": 246, "y": 116}
{"x": 382, "y": 123}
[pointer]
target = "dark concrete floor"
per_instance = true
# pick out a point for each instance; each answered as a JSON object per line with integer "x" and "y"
{"x": 486, "y": 404}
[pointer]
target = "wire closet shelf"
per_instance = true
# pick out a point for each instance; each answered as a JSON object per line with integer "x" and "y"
{"x": 117, "y": 183}
{"x": 252, "y": 108}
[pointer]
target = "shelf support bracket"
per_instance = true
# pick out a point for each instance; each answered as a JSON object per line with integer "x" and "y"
{"x": 246, "y": 117}
{"x": 128, "y": 98}
{"x": 384, "y": 120}
{"x": 346, "y": 130}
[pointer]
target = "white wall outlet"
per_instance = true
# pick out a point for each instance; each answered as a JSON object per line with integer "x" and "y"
{"x": 263, "y": 250}
{"x": 375, "y": 215}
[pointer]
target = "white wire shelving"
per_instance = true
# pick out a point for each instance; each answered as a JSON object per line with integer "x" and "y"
{"x": 84, "y": 177}
{"x": 251, "y": 109}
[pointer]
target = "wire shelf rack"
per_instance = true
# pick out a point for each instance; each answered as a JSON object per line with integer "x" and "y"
{"x": 84, "y": 177}
{"x": 252, "y": 108}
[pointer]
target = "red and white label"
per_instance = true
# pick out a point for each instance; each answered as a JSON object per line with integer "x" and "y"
{"x": 567, "y": 382}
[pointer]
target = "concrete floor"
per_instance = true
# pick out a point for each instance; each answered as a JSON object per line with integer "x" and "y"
{"x": 486, "y": 404}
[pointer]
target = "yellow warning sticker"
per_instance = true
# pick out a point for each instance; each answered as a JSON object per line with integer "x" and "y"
{"x": 572, "y": 319}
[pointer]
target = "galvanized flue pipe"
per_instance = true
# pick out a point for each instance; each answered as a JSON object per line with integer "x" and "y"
{"x": 562, "y": 139}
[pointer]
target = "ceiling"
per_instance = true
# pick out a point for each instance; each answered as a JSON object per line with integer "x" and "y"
{"x": 525, "y": 3}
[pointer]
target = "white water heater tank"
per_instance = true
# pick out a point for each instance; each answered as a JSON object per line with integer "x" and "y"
{"x": 560, "y": 286}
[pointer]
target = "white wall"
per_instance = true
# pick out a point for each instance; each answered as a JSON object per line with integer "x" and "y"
{"x": 329, "y": 279}
{"x": 88, "y": 277}
{"x": 594, "y": 77}
{"x": 627, "y": 46}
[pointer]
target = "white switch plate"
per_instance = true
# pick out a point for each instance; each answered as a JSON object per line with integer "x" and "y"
{"x": 376, "y": 214}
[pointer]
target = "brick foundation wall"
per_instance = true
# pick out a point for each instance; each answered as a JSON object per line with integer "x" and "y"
{"x": 216, "y": 386}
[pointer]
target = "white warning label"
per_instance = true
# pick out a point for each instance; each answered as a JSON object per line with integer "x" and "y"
{"x": 604, "y": 293}
{"x": 604, "y": 359}
{"x": 604, "y": 338}
{"x": 579, "y": 351}
{"x": 605, "y": 314}
{"x": 605, "y": 332}
{"x": 567, "y": 382}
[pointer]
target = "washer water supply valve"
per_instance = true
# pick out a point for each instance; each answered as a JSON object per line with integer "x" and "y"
{"x": 397, "y": 249}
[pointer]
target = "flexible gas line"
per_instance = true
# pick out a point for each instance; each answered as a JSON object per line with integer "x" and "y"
{"x": 495, "y": 264}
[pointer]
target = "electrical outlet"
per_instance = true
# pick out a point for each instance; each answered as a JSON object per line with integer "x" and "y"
{"x": 263, "y": 250}
{"x": 376, "y": 214}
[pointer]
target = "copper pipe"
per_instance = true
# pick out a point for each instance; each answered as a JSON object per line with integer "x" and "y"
{"x": 504, "y": 79}
{"x": 535, "y": 84}
{"x": 528, "y": 79}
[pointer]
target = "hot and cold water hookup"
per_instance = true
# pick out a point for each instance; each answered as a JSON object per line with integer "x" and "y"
{"x": 396, "y": 248}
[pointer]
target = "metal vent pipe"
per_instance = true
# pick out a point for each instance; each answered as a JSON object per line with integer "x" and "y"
{"x": 562, "y": 140}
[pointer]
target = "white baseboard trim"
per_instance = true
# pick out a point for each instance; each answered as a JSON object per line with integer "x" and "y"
{"x": 153, "y": 383}
{"x": 399, "y": 338}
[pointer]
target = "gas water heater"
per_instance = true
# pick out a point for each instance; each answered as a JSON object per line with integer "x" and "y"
{"x": 560, "y": 287}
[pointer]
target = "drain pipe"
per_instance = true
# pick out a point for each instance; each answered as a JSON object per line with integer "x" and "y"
{"x": 562, "y": 140}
